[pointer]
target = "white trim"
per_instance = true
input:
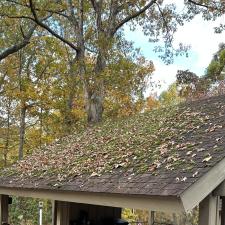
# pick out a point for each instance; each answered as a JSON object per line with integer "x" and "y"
{"x": 189, "y": 199}
{"x": 166, "y": 204}
{"x": 209, "y": 211}
{"x": 204, "y": 186}
{"x": 220, "y": 190}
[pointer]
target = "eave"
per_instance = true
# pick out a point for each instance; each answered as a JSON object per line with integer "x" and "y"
{"x": 154, "y": 203}
{"x": 205, "y": 185}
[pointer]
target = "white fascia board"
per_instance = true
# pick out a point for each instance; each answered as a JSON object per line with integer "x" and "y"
{"x": 192, "y": 196}
{"x": 220, "y": 190}
{"x": 164, "y": 204}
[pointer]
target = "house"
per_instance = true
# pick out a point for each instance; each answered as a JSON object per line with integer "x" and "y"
{"x": 171, "y": 159}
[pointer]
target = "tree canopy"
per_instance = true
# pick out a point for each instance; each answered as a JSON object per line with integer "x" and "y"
{"x": 91, "y": 29}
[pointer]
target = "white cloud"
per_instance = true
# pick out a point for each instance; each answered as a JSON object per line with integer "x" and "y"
{"x": 164, "y": 75}
{"x": 204, "y": 43}
{"x": 202, "y": 38}
{"x": 197, "y": 33}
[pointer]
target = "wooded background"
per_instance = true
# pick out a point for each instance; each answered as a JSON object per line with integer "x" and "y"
{"x": 66, "y": 64}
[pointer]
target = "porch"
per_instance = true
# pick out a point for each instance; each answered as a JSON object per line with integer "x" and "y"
{"x": 85, "y": 208}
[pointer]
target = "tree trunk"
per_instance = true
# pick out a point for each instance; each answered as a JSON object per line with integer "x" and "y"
{"x": 41, "y": 126}
{"x": 72, "y": 85}
{"x": 22, "y": 112}
{"x": 22, "y": 130}
{"x": 94, "y": 107}
{"x": 68, "y": 119}
{"x": 6, "y": 150}
{"x": 95, "y": 95}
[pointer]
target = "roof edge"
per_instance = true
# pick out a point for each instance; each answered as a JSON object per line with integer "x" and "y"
{"x": 193, "y": 195}
{"x": 154, "y": 203}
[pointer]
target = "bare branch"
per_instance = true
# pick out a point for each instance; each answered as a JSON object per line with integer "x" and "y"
{"x": 20, "y": 45}
{"x": 134, "y": 15}
{"x": 21, "y": 30}
{"x": 60, "y": 12}
{"x": 41, "y": 24}
{"x": 81, "y": 18}
{"x": 198, "y": 4}
{"x": 165, "y": 23}
{"x": 26, "y": 37}
{"x": 16, "y": 16}
{"x": 212, "y": 5}
{"x": 94, "y": 4}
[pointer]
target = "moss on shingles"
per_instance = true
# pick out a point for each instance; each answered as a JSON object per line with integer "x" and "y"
{"x": 161, "y": 138}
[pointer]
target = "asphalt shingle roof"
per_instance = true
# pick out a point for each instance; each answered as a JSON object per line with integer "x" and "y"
{"x": 158, "y": 153}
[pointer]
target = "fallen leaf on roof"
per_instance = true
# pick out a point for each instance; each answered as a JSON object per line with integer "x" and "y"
{"x": 207, "y": 159}
{"x": 189, "y": 152}
{"x": 195, "y": 174}
{"x": 152, "y": 167}
{"x": 201, "y": 149}
{"x": 183, "y": 179}
{"x": 169, "y": 140}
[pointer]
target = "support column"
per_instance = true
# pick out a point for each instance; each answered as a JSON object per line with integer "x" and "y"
{"x": 208, "y": 211}
{"x": 151, "y": 217}
{"x": 175, "y": 219}
{"x": 53, "y": 212}
{"x": 223, "y": 211}
{"x": 4, "y": 214}
{"x": 62, "y": 213}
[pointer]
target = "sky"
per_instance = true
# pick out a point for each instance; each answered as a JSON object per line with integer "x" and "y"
{"x": 199, "y": 34}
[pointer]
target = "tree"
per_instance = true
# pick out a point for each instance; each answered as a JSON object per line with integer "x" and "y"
{"x": 211, "y": 83}
{"x": 46, "y": 93}
{"x": 126, "y": 79}
{"x": 187, "y": 82}
{"x": 95, "y": 27}
{"x": 11, "y": 41}
{"x": 18, "y": 46}
{"x": 215, "y": 70}
{"x": 170, "y": 96}
{"x": 152, "y": 102}
{"x": 27, "y": 78}
{"x": 7, "y": 129}
{"x": 210, "y": 10}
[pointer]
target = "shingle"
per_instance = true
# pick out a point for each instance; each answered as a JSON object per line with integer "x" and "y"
{"x": 161, "y": 152}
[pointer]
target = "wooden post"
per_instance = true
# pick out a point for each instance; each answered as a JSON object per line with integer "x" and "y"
{"x": 53, "y": 212}
{"x": 62, "y": 213}
{"x": 223, "y": 211}
{"x": 174, "y": 219}
{"x": 4, "y": 200}
{"x": 208, "y": 211}
{"x": 151, "y": 217}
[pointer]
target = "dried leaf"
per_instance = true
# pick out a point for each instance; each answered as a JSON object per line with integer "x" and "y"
{"x": 207, "y": 159}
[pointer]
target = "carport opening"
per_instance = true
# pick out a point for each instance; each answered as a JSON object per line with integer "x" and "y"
{"x": 145, "y": 217}
{"x": 26, "y": 211}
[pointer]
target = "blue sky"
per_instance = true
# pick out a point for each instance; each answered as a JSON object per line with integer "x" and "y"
{"x": 197, "y": 33}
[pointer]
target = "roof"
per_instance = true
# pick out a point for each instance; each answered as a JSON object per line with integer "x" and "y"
{"x": 158, "y": 153}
